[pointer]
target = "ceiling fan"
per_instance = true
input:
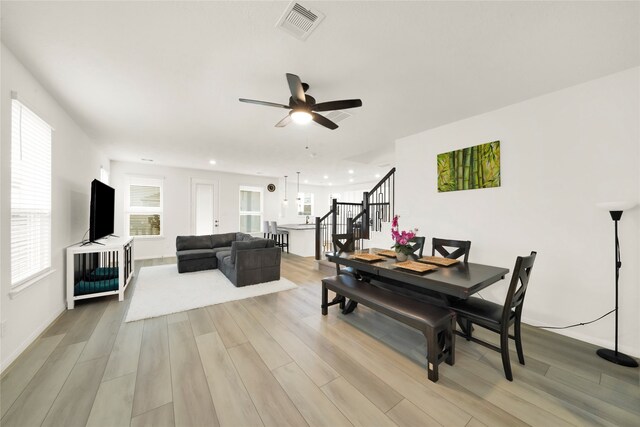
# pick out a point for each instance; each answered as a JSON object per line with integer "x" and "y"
{"x": 303, "y": 107}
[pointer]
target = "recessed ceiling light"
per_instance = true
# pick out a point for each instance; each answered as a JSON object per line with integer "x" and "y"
{"x": 326, "y": 177}
{"x": 306, "y": 181}
{"x": 377, "y": 175}
{"x": 330, "y": 184}
{"x": 147, "y": 160}
{"x": 351, "y": 171}
{"x": 350, "y": 179}
{"x": 212, "y": 162}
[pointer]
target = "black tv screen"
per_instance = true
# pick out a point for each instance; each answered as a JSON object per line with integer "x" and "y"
{"x": 101, "y": 210}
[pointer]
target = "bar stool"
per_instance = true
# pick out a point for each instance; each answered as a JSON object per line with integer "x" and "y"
{"x": 265, "y": 230}
{"x": 279, "y": 236}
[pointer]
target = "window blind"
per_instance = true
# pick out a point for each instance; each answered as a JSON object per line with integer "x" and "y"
{"x": 144, "y": 209}
{"x": 30, "y": 194}
{"x": 144, "y": 196}
{"x": 250, "y": 209}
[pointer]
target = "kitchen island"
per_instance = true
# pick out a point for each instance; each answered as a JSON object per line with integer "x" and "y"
{"x": 302, "y": 238}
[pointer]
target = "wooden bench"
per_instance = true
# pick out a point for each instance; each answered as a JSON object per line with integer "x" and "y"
{"x": 430, "y": 319}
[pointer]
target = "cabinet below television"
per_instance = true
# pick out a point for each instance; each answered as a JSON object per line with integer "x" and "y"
{"x": 97, "y": 270}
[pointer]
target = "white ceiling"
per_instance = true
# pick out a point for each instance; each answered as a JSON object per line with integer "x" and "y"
{"x": 161, "y": 80}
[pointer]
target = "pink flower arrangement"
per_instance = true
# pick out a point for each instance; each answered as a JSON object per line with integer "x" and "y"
{"x": 402, "y": 239}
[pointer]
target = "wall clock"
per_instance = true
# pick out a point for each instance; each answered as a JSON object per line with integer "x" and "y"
{"x": 271, "y": 188}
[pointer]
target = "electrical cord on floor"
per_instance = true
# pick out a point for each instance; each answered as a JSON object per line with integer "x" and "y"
{"x": 83, "y": 240}
{"x": 569, "y": 326}
{"x": 577, "y": 324}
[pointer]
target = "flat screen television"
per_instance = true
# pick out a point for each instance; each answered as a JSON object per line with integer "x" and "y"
{"x": 101, "y": 210}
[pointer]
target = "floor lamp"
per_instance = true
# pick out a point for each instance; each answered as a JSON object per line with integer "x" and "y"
{"x": 616, "y": 209}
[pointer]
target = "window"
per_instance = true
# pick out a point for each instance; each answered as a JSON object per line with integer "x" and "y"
{"x": 30, "y": 195}
{"x": 305, "y": 204}
{"x": 250, "y": 209}
{"x": 144, "y": 200}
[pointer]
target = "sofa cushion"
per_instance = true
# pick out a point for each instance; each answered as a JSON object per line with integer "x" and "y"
{"x": 243, "y": 237}
{"x": 184, "y": 243}
{"x": 222, "y": 240}
{"x": 222, "y": 254}
{"x": 251, "y": 244}
{"x": 189, "y": 265}
{"x": 222, "y": 249}
{"x": 195, "y": 254}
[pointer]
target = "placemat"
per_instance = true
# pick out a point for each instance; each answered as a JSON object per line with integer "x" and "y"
{"x": 367, "y": 257}
{"x": 444, "y": 262}
{"x": 415, "y": 267}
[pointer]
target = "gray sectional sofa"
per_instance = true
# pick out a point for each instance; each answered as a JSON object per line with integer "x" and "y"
{"x": 244, "y": 259}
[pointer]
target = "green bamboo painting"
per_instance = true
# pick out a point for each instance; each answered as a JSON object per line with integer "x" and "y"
{"x": 470, "y": 168}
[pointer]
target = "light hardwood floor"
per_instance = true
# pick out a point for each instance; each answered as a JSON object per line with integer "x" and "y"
{"x": 275, "y": 360}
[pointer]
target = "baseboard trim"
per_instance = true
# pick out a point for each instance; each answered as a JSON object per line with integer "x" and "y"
{"x": 577, "y": 335}
{"x": 155, "y": 257}
{"x": 30, "y": 340}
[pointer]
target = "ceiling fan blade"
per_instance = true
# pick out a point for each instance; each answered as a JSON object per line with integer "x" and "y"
{"x": 337, "y": 105}
{"x": 297, "y": 91}
{"x": 321, "y": 120}
{"x": 282, "y": 123}
{"x": 265, "y": 103}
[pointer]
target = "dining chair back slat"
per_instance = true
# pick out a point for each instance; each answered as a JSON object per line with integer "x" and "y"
{"x": 463, "y": 247}
{"x": 418, "y": 246}
{"x": 342, "y": 243}
{"x": 518, "y": 285}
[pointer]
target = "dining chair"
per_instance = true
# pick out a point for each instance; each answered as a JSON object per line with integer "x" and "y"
{"x": 265, "y": 229}
{"x": 463, "y": 247}
{"x": 499, "y": 318}
{"x": 418, "y": 246}
{"x": 343, "y": 243}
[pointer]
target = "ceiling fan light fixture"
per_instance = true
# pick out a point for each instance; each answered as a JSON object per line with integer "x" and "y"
{"x": 300, "y": 117}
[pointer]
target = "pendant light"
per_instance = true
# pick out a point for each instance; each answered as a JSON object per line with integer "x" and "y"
{"x": 298, "y": 193}
{"x": 285, "y": 201}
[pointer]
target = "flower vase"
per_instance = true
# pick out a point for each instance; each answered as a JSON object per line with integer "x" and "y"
{"x": 401, "y": 256}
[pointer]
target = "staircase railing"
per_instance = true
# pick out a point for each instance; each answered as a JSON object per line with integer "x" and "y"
{"x": 359, "y": 219}
{"x": 339, "y": 220}
{"x": 381, "y": 201}
{"x": 324, "y": 226}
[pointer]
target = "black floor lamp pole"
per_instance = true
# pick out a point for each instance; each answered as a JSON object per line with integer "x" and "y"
{"x": 613, "y": 355}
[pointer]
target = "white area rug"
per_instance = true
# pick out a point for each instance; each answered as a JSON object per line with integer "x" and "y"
{"x": 162, "y": 290}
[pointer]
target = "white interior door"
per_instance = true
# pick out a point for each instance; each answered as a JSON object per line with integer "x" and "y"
{"x": 204, "y": 218}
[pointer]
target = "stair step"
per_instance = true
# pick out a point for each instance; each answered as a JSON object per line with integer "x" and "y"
{"x": 326, "y": 266}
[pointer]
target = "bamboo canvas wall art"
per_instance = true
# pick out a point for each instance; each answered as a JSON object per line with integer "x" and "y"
{"x": 470, "y": 168}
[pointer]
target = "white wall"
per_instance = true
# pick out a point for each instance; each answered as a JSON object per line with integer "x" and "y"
{"x": 289, "y": 214}
{"x": 177, "y": 204}
{"x": 76, "y": 161}
{"x": 560, "y": 155}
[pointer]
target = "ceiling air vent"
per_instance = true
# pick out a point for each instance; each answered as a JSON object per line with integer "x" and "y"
{"x": 337, "y": 116}
{"x": 299, "y": 21}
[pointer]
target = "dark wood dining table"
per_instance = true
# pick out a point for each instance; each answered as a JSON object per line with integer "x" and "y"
{"x": 458, "y": 281}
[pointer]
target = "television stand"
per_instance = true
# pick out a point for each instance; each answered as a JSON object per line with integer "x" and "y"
{"x": 99, "y": 271}
{"x": 91, "y": 243}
